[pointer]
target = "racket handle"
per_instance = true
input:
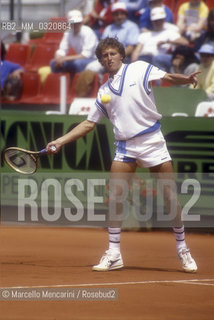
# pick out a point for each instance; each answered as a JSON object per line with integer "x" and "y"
{"x": 44, "y": 151}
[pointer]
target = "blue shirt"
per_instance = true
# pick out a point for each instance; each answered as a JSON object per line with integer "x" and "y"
{"x": 7, "y": 68}
{"x": 145, "y": 21}
{"x": 133, "y": 7}
{"x": 127, "y": 33}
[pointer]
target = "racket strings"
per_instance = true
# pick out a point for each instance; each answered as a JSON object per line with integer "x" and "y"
{"x": 21, "y": 161}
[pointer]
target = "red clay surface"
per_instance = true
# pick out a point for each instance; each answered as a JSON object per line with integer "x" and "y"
{"x": 64, "y": 256}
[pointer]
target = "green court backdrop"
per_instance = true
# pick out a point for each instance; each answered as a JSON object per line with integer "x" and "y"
{"x": 190, "y": 141}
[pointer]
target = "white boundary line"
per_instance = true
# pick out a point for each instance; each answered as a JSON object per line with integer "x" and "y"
{"x": 199, "y": 283}
{"x": 102, "y": 284}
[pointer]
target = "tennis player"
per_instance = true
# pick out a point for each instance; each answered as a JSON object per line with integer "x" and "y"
{"x": 138, "y": 138}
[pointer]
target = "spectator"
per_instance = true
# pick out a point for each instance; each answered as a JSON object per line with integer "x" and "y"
{"x": 145, "y": 19}
{"x": 206, "y": 67}
{"x": 85, "y": 6}
{"x": 124, "y": 30}
{"x": 100, "y": 16}
{"x": 82, "y": 39}
{"x": 135, "y": 8}
{"x": 184, "y": 61}
{"x": 208, "y": 35}
{"x": 192, "y": 18}
{"x": 154, "y": 46}
{"x": 11, "y": 82}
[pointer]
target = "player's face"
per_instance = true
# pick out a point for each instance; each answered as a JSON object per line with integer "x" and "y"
{"x": 111, "y": 60}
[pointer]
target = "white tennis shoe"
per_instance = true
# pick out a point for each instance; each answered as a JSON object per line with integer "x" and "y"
{"x": 188, "y": 263}
{"x": 109, "y": 261}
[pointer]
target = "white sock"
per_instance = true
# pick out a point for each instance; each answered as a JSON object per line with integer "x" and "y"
{"x": 114, "y": 239}
{"x": 180, "y": 237}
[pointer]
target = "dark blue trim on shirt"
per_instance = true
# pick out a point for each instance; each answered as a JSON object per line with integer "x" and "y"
{"x": 145, "y": 80}
{"x": 120, "y": 90}
{"x": 155, "y": 127}
{"x": 101, "y": 108}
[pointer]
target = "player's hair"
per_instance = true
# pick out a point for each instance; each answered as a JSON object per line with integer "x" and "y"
{"x": 109, "y": 43}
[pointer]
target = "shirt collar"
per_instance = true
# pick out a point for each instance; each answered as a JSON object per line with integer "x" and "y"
{"x": 118, "y": 74}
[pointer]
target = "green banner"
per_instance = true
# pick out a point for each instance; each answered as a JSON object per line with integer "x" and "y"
{"x": 32, "y": 131}
{"x": 190, "y": 142}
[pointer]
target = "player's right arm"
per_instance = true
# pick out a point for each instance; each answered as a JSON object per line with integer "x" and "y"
{"x": 79, "y": 131}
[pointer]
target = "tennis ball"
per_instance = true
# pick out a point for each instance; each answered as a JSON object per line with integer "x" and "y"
{"x": 106, "y": 98}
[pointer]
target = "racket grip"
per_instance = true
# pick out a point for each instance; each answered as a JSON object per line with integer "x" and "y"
{"x": 44, "y": 151}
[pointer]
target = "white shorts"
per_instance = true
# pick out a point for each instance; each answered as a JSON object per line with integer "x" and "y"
{"x": 147, "y": 150}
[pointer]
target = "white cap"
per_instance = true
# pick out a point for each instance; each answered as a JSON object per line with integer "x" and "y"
{"x": 119, "y": 6}
{"x": 75, "y": 16}
{"x": 157, "y": 13}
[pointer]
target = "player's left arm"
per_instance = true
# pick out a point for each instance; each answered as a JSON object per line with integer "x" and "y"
{"x": 180, "y": 79}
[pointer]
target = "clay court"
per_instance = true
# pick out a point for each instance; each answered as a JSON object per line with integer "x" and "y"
{"x": 151, "y": 285}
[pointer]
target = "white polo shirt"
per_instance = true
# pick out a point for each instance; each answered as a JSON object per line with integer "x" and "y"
{"x": 85, "y": 42}
{"x": 132, "y": 108}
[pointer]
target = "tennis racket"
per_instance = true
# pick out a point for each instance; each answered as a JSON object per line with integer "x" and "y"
{"x": 24, "y": 161}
